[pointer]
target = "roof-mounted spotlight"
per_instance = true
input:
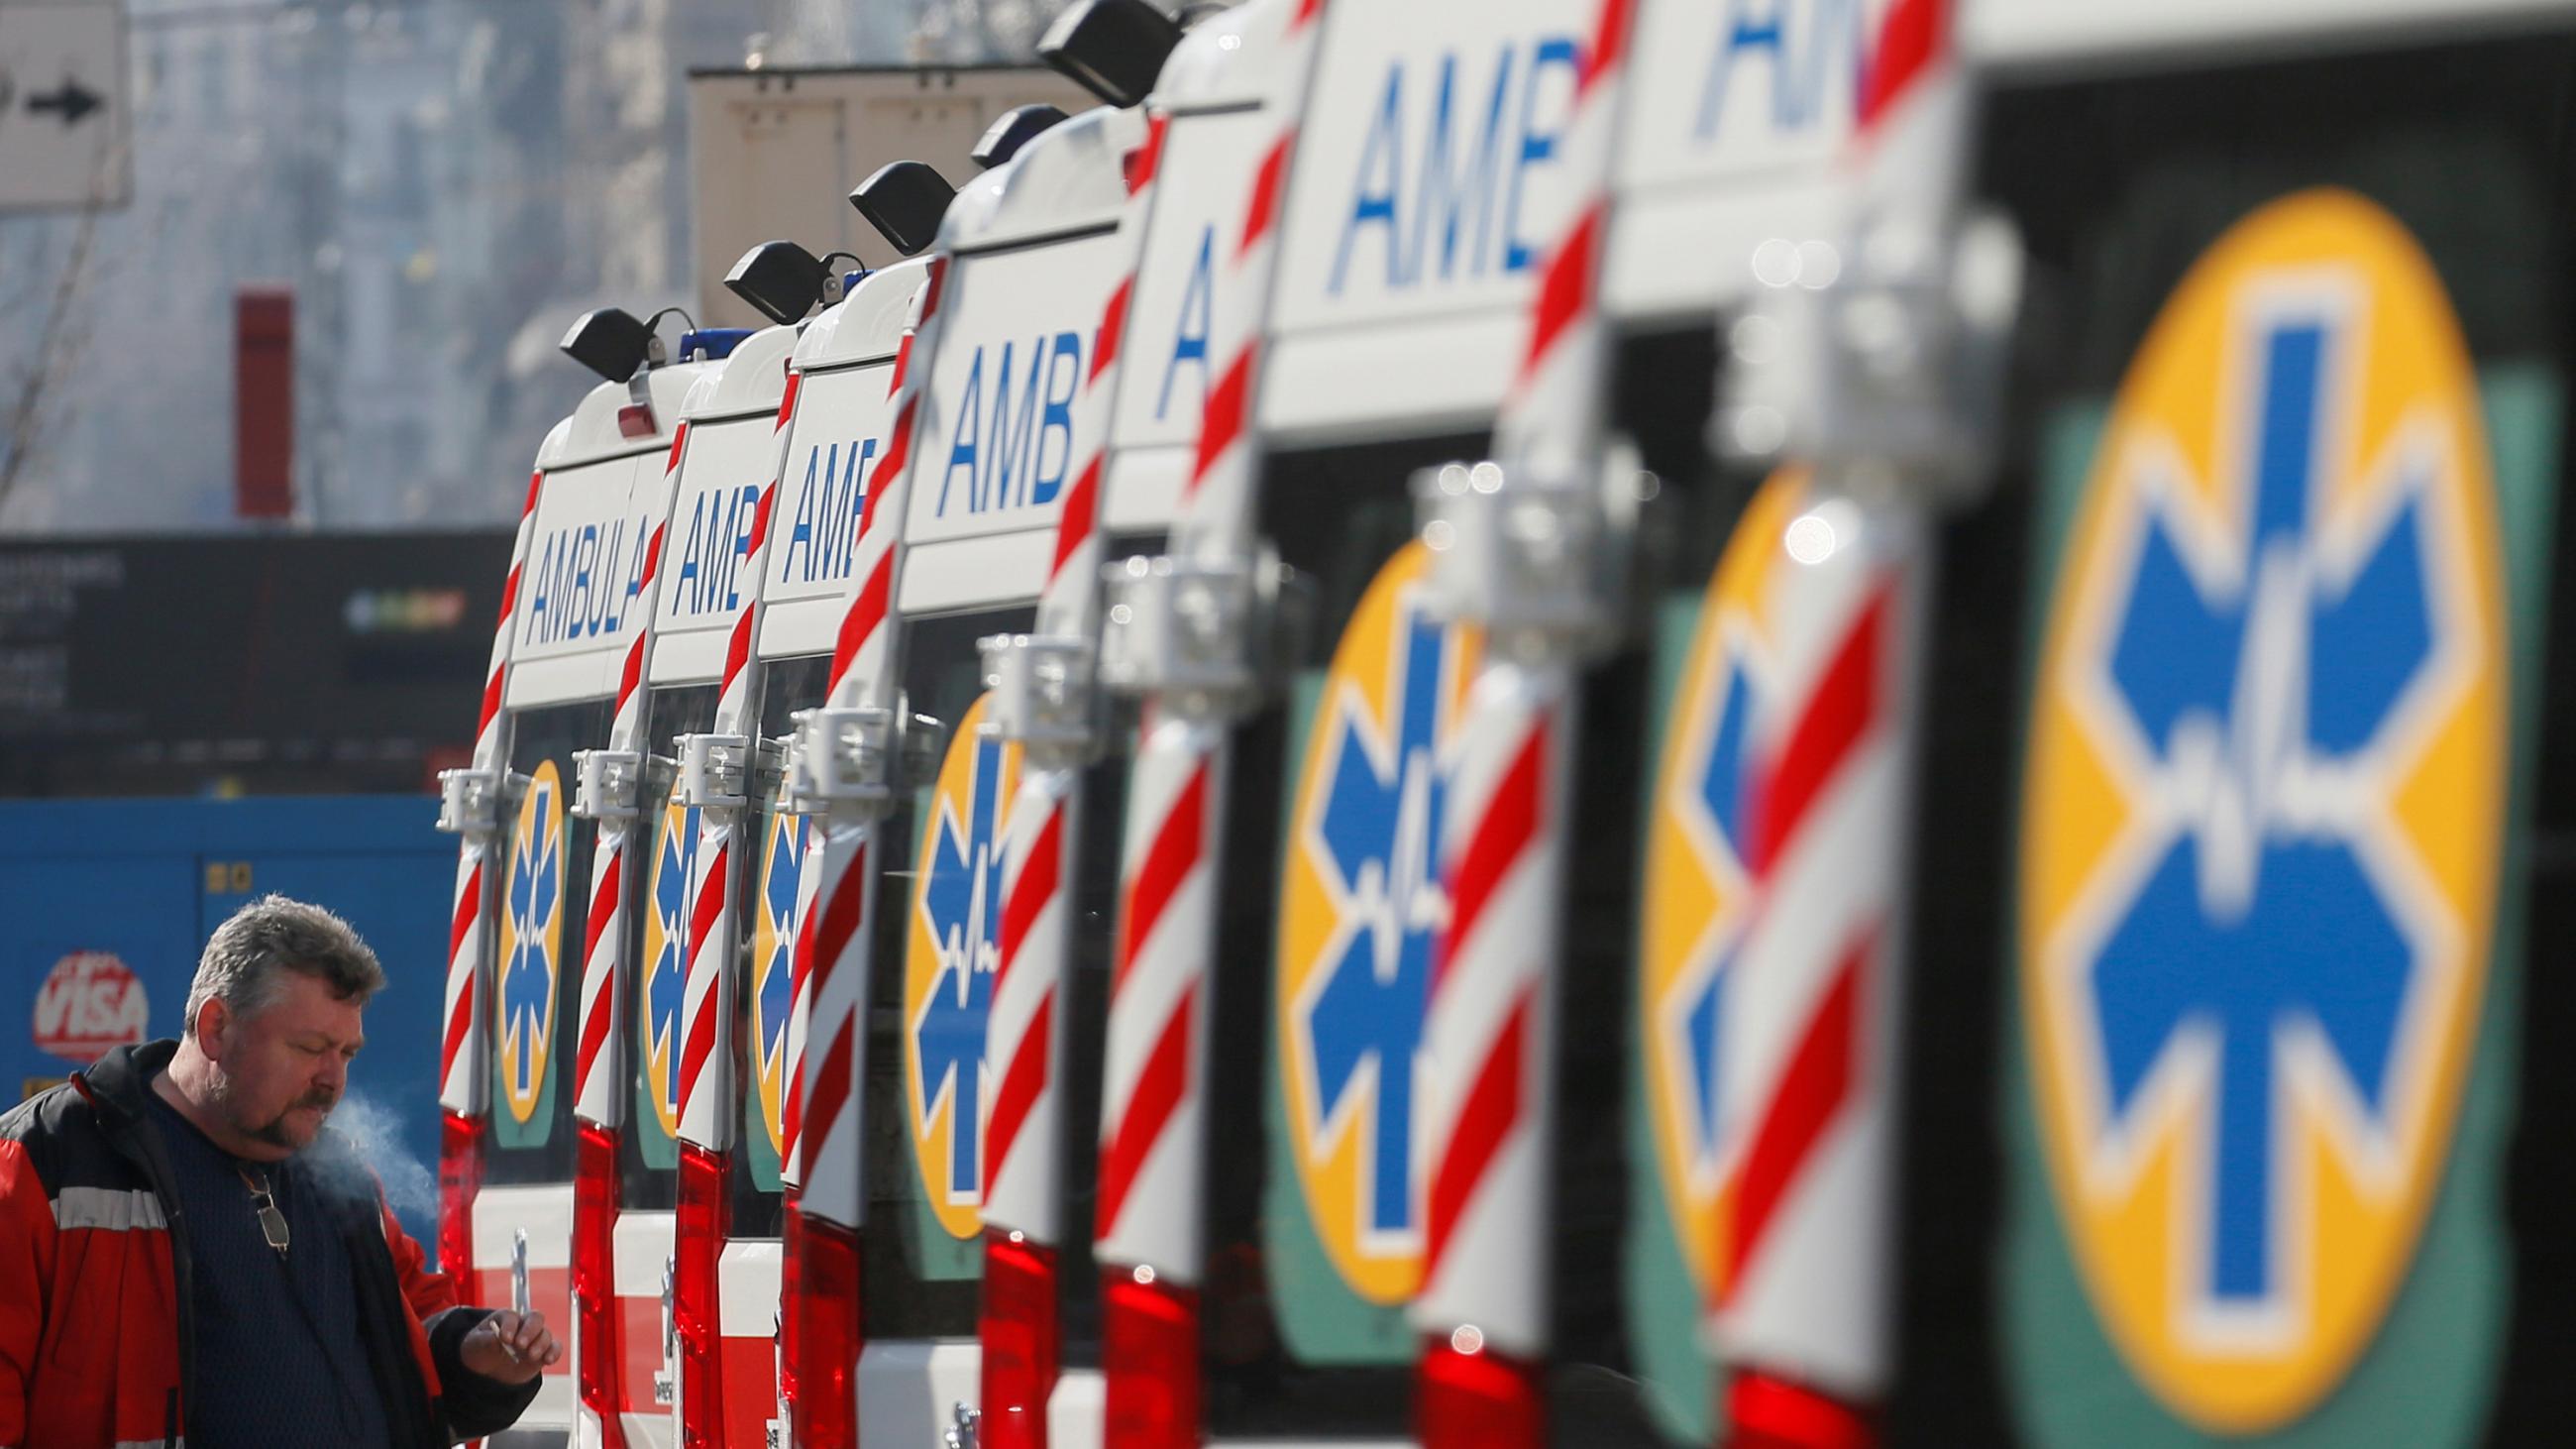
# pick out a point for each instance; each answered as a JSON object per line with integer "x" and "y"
{"x": 781, "y": 280}
{"x": 610, "y": 342}
{"x": 904, "y": 201}
{"x": 1010, "y": 131}
{"x": 1111, "y": 48}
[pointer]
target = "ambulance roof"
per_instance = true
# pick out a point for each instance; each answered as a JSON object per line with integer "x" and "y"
{"x": 750, "y": 381}
{"x": 1225, "y": 60}
{"x": 867, "y": 324}
{"x": 1070, "y": 178}
{"x": 591, "y": 433}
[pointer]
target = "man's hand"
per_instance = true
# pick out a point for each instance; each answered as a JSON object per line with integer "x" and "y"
{"x": 511, "y": 1347}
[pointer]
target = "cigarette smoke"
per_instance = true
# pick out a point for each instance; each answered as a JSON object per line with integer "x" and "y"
{"x": 373, "y": 1133}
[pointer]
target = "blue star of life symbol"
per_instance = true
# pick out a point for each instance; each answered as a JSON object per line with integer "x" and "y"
{"x": 1719, "y": 792}
{"x": 778, "y": 899}
{"x": 528, "y": 981}
{"x": 962, "y": 901}
{"x": 1381, "y": 829}
{"x": 2258, "y": 696}
{"x": 666, "y": 975}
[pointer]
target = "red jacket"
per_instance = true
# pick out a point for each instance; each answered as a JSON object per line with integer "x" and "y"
{"x": 96, "y": 1334}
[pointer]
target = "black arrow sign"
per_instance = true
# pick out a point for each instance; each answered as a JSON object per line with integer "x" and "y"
{"x": 72, "y": 99}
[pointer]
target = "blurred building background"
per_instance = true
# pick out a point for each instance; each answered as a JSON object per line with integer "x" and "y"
{"x": 441, "y": 185}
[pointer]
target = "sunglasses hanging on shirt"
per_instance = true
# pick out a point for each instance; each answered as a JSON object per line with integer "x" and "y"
{"x": 272, "y": 1223}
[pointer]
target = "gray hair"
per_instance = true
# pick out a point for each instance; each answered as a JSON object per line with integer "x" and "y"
{"x": 271, "y": 935}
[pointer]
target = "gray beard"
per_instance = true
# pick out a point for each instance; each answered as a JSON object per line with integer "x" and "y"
{"x": 273, "y": 1132}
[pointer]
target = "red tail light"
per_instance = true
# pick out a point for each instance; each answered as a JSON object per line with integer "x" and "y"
{"x": 594, "y": 1284}
{"x": 791, "y": 1248}
{"x": 1150, "y": 1357}
{"x": 1764, "y": 1411}
{"x": 1470, "y": 1395}
{"x": 1019, "y": 1334}
{"x": 695, "y": 1304}
{"x": 823, "y": 1321}
{"x": 460, "y": 1173}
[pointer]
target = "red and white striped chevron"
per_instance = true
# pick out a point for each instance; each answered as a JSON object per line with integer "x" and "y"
{"x": 1491, "y": 1021}
{"x": 791, "y": 1113}
{"x": 1036, "y": 937}
{"x": 1807, "y": 1044}
{"x": 597, "y": 1096}
{"x": 832, "y": 936}
{"x": 461, "y": 1084}
{"x": 1152, "y": 1167}
{"x": 1489, "y": 1032}
{"x": 706, "y": 1002}
{"x": 1215, "y": 517}
{"x": 1150, "y": 1152}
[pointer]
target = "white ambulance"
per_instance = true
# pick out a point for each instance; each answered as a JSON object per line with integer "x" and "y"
{"x": 721, "y": 459}
{"x": 511, "y": 1143}
{"x": 803, "y": 494}
{"x": 1363, "y": 312}
{"x": 996, "y": 436}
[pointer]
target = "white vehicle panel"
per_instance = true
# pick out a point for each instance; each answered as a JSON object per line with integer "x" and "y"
{"x": 702, "y": 585}
{"x": 640, "y": 1251}
{"x": 747, "y": 1286}
{"x": 908, "y": 1389}
{"x": 839, "y": 432}
{"x": 2041, "y": 32}
{"x": 996, "y": 448}
{"x": 1429, "y": 177}
{"x": 1453, "y": 372}
{"x": 577, "y": 591}
{"x": 1202, "y": 188}
{"x": 1077, "y": 1411}
{"x": 544, "y": 1213}
{"x": 968, "y": 573}
{"x": 1736, "y": 114}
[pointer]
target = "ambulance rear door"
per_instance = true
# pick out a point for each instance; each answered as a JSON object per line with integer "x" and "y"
{"x": 2248, "y": 931}
{"x": 701, "y": 585}
{"x": 1035, "y": 251}
{"x": 1427, "y": 178}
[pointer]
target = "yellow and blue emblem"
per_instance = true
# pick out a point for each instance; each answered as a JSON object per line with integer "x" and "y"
{"x": 1699, "y": 875}
{"x": 948, "y": 970}
{"x": 663, "y": 982}
{"x": 1361, "y": 908}
{"x": 531, "y": 957}
{"x": 2263, "y": 810}
{"x": 773, "y": 967}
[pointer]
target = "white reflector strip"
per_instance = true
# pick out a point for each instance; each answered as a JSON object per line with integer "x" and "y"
{"x": 106, "y": 1208}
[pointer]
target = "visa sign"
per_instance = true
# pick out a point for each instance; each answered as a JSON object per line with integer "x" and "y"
{"x": 1432, "y": 165}
{"x": 89, "y": 1003}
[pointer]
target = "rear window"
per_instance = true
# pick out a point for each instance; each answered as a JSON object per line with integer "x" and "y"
{"x": 770, "y": 910}
{"x": 543, "y": 874}
{"x": 657, "y": 943}
{"x": 1313, "y": 1253}
{"x": 937, "y": 914}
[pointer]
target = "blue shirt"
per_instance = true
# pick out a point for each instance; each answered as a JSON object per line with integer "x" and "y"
{"x": 279, "y": 1357}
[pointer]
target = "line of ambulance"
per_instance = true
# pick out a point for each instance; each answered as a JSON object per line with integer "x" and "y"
{"x": 1271, "y": 795}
